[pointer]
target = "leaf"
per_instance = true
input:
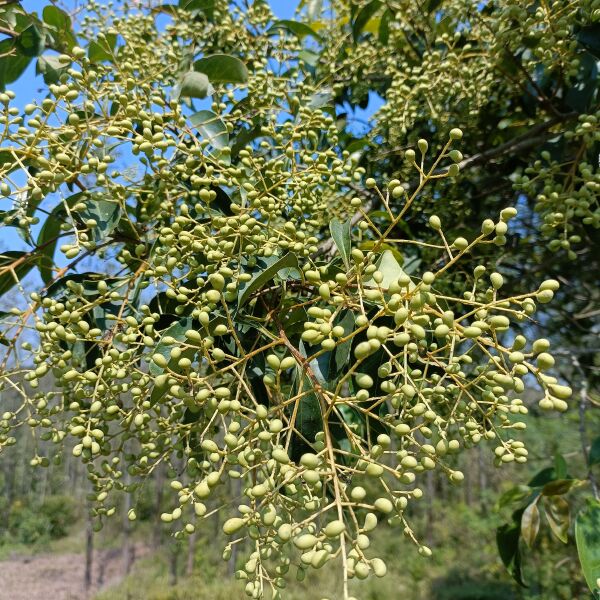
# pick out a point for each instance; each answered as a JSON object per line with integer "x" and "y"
{"x": 594, "y": 455}
{"x": 587, "y": 538}
{"x": 11, "y": 66}
{"x": 194, "y": 85}
{"x": 507, "y": 540}
{"x": 391, "y": 270}
{"x": 30, "y": 42}
{"x": 103, "y": 49}
{"x": 515, "y": 494}
{"x": 558, "y": 515}
{"x": 57, "y": 18}
{"x": 589, "y": 37}
{"x": 363, "y": 16}
{"x": 559, "y": 487}
{"x": 48, "y": 236}
{"x": 384, "y": 27}
{"x": 560, "y": 466}
{"x": 342, "y": 351}
{"x": 542, "y": 477}
{"x": 7, "y": 278}
{"x": 106, "y": 214}
{"x": 222, "y": 68}
{"x": 530, "y": 523}
{"x": 295, "y": 27}
{"x": 50, "y": 68}
{"x": 340, "y": 232}
{"x": 268, "y": 268}
{"x": 177, "y": 331}
{"x": 211, "y": 127}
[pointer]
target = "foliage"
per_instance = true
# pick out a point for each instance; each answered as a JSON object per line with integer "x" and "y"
{"x": 30, "y": 523}
{"x": 275, "y": 300}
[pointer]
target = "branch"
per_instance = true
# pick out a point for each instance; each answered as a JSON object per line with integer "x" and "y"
{"x": 534, "y": 137}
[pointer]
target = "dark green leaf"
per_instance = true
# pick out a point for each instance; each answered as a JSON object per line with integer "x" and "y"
{"x": 48, "y": 236}
{"x": 342, "y": 350}
{"x": 589, "y": 37}
{"x": 30, "y": 42}
{"x": 106, "y": 214}
{"x": 194, "y": 85}
{"x": 266, "y": 270}
{"x": 594, "y": 456}
{"x": 363, "y": 17}
{"x": 384, "y": 27}
{"x": 340, "y": 232}
{"x": 543, "y": 477}
{"x": 587, "y": 538}
{"x": 295, "y": 27}
{"x": 12, "y": 64}
{"x": 103, "y": 49}
{"x": 530, "y": 523}
{"x": 222, "y": 68}
{"x": 559, "y": 487}
{"x": 507, "y": 540}
{"x": 7, "y": 278}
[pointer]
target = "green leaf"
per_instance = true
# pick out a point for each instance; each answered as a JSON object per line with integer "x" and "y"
{"x": 340, "y": 232}
{"x": 48, "y": 237}
{"x": 594, "y": 455}
{"x": 7, "y": 278}
{"x": 363, "y": 17}
{"x": 211, "y": 128}
{"x": 267, "y": 269}
{"x": 177, "y": 331}
{"x": 559, "y": 487}
{"x": 12, "y": 65}
{"x": 103, "y": 49}
{"x": 343, "y": 349}
{"x": 391, "y": 270}
{"x": 106, "y": 214}
{"x": 558, "y": 515}
{"x": 507, "y": 540}
{"x": 57, "y": 18}
{"x": 587, "y": 538}
{"x": 515, "y": 494}
{"x": 530, "y": 523}
{"x": 384, "y": 27}
{"x": 194, "y": 85}
{"x": 589, "y": 37}
{"x": 50, "y": 68}
{"x": 30, "y": 41}
{"x": 295, "y": 27}
{"x": 222, "y": 68}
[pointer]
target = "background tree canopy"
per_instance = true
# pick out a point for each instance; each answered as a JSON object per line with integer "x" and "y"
{"x": 303, "y": 265}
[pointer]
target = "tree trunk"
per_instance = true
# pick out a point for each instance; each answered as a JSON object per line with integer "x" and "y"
{"x": 89, "y": 551}
{"x": 191, "y": 554}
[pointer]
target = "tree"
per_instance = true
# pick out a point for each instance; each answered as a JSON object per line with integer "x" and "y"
{"x": 322, "y": 316}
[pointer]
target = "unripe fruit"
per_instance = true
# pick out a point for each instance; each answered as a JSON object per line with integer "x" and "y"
{"x": 334, "y": 529}
{"x": 545, "y": 361}
{"x": 384, "y": 505}
{"x": 370, "y": 522}
{"x": 456, "y": 134}
{"x": 305, "y": 541}
{"x": 310, "y": 461}
{"x": 233, "y": 525}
